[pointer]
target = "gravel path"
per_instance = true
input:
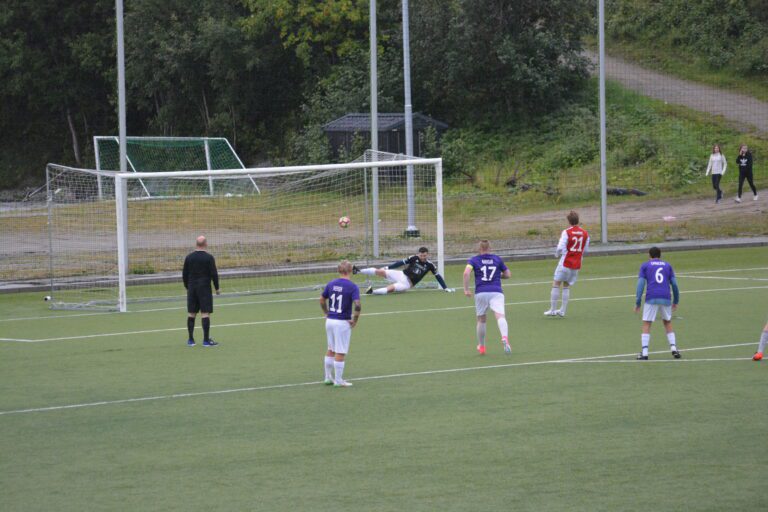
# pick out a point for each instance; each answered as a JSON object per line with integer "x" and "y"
{"x": 743, "y": 110}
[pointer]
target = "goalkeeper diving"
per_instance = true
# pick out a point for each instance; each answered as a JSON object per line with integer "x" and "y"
{"x": 416, "y": 267}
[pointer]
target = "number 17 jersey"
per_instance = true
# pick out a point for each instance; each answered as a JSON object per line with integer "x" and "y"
{"x": 488, "y": 269}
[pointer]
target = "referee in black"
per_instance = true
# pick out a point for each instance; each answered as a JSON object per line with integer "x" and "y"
{"x": 199, "y": 271}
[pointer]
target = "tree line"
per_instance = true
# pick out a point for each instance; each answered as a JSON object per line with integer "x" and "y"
{"x": 268, "y": 73}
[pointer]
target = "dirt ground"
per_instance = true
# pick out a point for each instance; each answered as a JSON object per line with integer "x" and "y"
{"x": 745, "y": 111}
{"x": 659, "y": 210}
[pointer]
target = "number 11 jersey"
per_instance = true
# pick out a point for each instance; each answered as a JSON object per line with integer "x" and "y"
{"x": 341, "y": 294}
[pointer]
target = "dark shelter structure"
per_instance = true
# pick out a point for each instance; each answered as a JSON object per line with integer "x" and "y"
{"x": 341, "y": 132}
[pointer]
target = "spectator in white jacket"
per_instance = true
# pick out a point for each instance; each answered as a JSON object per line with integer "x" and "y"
{"x": 717, "y": 166}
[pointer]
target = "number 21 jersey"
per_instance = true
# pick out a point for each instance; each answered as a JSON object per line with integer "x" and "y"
{"x": 573, "y": 242}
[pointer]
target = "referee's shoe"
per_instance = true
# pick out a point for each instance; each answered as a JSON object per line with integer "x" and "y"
{"x": 210, "y": 343}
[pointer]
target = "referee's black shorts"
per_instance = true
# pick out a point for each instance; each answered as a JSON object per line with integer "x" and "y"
{"x": 200, "y": 299}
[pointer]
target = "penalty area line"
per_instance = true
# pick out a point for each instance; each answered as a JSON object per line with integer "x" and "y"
{"x": 303, "y": 299}
{"x": 592, "y": 359}
{"x": 365, "y": 315}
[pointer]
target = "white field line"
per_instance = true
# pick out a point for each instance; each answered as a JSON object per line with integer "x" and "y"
{"x": 593, "y": 359}
{"x": 725, "y": 278}
{"x": 305, "y": 299}
{"x": 625, "y": 361}
{"x": 16, "y": 339}
{"x": 380, "y": 313}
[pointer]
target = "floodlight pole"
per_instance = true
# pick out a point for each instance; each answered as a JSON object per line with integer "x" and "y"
{"x": 411, "y": 230}
{"x": 374, "y": 126}
{"x": 121, "y": 84}
{"x": 121, "y": 192}
{"x": 603, "y": 171}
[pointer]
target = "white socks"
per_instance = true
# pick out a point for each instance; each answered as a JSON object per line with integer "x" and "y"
{"x": 671, "y": 340}
{"x": 763, "y": 341}
{"x": 481, "y": 333}
{"x": 368, "y": 271}
{"x": 329, "y": 367}
{"x": 339, "y": 367}
{"x": 503, "y": 327}
{"x": 566, "y": 296}
{"x": 553, "y": 298}
{"x": 380, "y": 291}
{"x": 645, "y": 340}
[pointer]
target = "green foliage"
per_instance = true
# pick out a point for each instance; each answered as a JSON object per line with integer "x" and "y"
{"x": 651, "y": 146}
{"x": 318, "y": 31}
{"x": 733, "y": 36}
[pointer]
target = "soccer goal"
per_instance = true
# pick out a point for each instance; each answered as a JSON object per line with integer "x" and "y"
{"x": 165, "y": 154}
{"x": 111, "y": 245}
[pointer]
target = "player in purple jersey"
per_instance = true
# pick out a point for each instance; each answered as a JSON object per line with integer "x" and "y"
{"x": 659, "y": 277}
{"x": 338, "y": 300}
{"x": 489, "y": 270}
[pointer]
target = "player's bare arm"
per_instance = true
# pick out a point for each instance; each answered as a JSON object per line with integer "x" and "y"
{"x": 324, "y": 306}
{"x": 467, "y": 272}
{"x": 356, "y": 313}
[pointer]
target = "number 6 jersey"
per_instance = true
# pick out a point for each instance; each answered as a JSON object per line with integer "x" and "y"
{"x": 574, "y": 241}
{"x": 659, "y": 276}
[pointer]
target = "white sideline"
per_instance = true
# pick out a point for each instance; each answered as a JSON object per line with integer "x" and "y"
{"x": 593, "y": 359}
{"x": 380, "y": 313}
{"x": 278, "y": 301}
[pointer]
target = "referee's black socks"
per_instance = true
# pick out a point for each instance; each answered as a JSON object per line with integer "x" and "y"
{"x": 206, "y": 328}
{"x": 191, "y": 327}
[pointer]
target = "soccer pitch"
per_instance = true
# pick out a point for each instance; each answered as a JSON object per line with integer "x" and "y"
{"x": 110, "y": 411}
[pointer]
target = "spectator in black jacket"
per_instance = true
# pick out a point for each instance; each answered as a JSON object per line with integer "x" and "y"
{"x": 744, "y": 161}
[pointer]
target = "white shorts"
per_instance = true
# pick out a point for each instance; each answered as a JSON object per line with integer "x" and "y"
{"x": 485, "y": 300}
{"x": 399, "y": 279}
{"x": 566, "y": 275}
{"x": 339, "y": 333}
{"x": 650, "y": 310}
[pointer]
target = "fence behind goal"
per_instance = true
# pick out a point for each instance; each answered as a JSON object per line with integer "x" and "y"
{"x": 121, "y": 247}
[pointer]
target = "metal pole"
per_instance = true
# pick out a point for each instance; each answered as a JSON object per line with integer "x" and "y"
{"x": 439, "y": 199}
{"x": 603, "y": 171}
{"x": 121, "y": 84}
{"x": 374, "y": 126}
{"x": 411, "y": 230}
{"x": 98, "y": 166}
{"x": 208, "y": 166}
{"x": 49, "y": 197}
{"x": 121, "y": 216}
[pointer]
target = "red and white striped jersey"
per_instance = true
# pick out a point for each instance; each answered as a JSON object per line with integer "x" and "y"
{"x": 573, "y": 243}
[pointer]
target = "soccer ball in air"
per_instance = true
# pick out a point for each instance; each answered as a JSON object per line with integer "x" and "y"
{"x": 344, "y": 222}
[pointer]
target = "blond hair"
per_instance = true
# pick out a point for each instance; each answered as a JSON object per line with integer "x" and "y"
{"x": 345, "y": 267}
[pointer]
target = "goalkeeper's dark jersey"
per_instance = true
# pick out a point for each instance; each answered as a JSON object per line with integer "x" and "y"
{"x": 200, "y": 270}
{"x": 415, "y": 270}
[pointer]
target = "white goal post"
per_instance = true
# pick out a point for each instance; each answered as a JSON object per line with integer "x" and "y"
{"x": 116, "y": 247}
